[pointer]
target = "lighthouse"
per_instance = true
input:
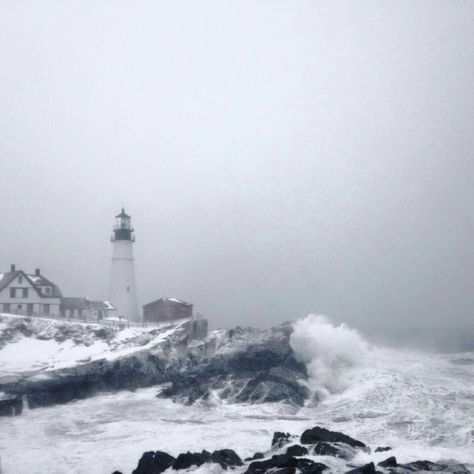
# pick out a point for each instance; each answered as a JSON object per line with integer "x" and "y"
{"x": 122, "y": 289}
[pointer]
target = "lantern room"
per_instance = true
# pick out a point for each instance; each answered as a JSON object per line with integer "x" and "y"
{"x": 123, "y": 228}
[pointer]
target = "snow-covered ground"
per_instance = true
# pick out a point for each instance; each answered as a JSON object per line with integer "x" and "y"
{"x": 55, "y": 344}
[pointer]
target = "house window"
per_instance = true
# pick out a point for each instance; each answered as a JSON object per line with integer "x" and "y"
{"x": 20, "y": 279}
{"x": 6, "y": 307}
{"x": 47, "y": 290}
{"x": 12, "y": 292}
{"x": 25, "y": 292}
{"x": 46, "y": 309}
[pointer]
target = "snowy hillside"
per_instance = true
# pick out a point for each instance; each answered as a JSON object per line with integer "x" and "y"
{"x": 30, "y": 345}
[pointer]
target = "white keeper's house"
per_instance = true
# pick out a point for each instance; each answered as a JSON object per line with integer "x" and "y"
{"x": 31, "y": 294}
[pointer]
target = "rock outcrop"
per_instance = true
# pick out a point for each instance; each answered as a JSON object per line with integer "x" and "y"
{"x": 239, "y": 365}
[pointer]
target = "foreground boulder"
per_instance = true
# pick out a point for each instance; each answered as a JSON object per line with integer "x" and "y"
{"x": 305, "y": 466}
{"x": 297, "y": 450}
{"x": 186, "y": 460}
{"x": 317, "y": 434}
{"x": 154, "y": 463}
{"x": 389, "y": 462}
{"x": 339, "y": 450}
{"x": 226, "y": 458}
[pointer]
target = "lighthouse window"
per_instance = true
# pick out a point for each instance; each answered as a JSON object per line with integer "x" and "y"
{"x": 128, "y": 289}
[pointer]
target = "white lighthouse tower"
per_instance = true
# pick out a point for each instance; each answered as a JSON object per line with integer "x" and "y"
{"x": 122, "y": 290}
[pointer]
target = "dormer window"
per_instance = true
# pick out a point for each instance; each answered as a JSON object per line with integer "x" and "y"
{"x": 47, "y": 290}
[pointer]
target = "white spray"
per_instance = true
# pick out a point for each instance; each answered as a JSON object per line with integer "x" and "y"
{"x": 330, "y": 353}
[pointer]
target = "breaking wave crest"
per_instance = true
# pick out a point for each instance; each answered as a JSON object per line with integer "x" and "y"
{"x": 412, "y": 400}
{"x": 331, "y": 353}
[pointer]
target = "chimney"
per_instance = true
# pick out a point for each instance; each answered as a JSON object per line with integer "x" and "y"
{"x": 12, "y": 267}
{"x": 37, "y": 272}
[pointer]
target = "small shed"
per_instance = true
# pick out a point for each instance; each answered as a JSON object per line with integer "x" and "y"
{"x": 167, "y": 309}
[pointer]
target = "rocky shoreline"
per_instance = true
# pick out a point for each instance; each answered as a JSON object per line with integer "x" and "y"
{"x": 287, "y": 456}
{"x": 238, "y": 365}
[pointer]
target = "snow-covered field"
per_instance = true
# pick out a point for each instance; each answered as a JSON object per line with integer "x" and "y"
{"x": 421, "y": 404}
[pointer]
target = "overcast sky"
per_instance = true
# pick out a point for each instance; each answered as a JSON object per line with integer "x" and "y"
{"x": 277, "y": 157}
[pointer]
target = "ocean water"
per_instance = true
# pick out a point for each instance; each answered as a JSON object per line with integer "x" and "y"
{"x": 419, "y": 403}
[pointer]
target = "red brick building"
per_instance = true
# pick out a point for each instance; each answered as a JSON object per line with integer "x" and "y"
{"x": 167, "y": 309}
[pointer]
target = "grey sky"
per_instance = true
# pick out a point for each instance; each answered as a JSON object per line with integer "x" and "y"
{"x": 277, "y": 157}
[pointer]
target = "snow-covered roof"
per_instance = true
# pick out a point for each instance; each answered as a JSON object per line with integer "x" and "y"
{"x": 168, "y": 300}
{"x": 37, "y": 281}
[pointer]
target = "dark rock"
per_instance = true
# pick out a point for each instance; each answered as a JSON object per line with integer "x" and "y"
{"x": 226, "y": 457}
{"x": 382, "y": 449}
{"x": 280, "y": 439}
{"x": 317, "y": 434}
{"x": 116, "y": 472}
{"x": 186, "y": 460}
{"x": 337, "y": 451}
{"x": 297, "y": 450}
{"x": 11, "y": 406}
{"x": 268, "y": 388}
{"x": 367, "y": 469}
{"x": 425, "y": 466}
{"x": 285, "y": 470}
{"x": 255, "y": 456}
{"x": 306, "y": 466}
{"x": 389, "y": 462}
{"x": 263, "y": 368}
{"x": 154, "y": 463}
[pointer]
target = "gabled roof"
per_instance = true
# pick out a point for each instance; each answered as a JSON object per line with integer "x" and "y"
{"x": 175, "y": 301}
{"x": 7, "y": 278}
{"x": 40, "y": 280}
{"x": 36, "y": 281}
